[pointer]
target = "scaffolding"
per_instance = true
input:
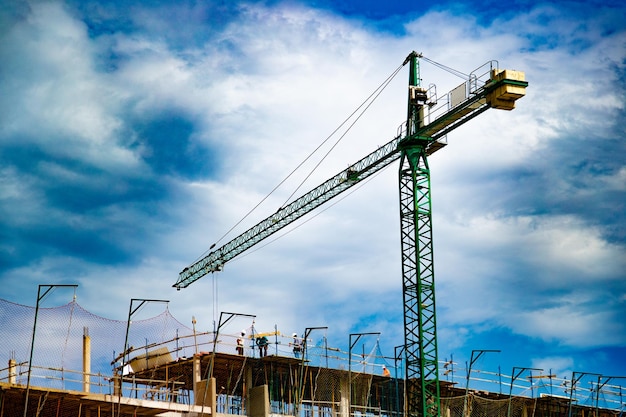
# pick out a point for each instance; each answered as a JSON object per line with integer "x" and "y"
{"x": 173, "y": 368}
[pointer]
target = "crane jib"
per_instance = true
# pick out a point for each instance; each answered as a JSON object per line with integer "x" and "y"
{"x": 344, "y": 180}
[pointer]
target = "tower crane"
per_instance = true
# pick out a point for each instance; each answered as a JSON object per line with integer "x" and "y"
{"x": 429, "y": 119}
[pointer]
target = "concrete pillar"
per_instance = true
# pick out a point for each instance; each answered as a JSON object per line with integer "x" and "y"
{"x": 204, "y": 393}
{"x": 259, "y": 402}
{"x": 197, "y": 372}
{"x": 86, "y": 359}
{"x": 12, "y": 371}
{"x": 117, "y": 383}
{"x": 344, "y": 399}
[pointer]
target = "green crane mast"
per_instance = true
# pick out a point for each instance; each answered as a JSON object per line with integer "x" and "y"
{"x": 423, "y": 134}
{"x": 418, "y": 275}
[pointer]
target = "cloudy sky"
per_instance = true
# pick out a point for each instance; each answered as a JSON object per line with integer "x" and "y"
{"x": 135, "y": 134}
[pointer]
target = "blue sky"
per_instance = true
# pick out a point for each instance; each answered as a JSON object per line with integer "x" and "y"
{"x": 133, "y": 135}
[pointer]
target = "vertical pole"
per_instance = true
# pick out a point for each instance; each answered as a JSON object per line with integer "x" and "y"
{"x": 195, "y": 340}
{"x": 32, "y": 347}
{"x": 571, "y": 395}
{"x": 598, "y": 387}
{"x": 398, "y": 352}
{"x": 574, "y": 381}
{"x": 86, "y": 359}
{"x": 40, "y": 297}
{"x": 12, "y": 371}
{"x": 514, "y": 376}
{"x": 126, "y": 350}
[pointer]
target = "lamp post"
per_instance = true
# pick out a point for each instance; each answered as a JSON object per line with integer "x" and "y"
{"x": 574, "y": 381}
{"x": 514, "y": 376}
{"x": 351, "y": 345}
{"x": 469, "y": 371}
{"x": 126, "y": 350}
{"x": 40, "y": 297}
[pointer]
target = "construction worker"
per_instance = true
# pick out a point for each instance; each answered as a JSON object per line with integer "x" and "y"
{"x": 240, "y": 342}
{"x": 297, "y": 345}
{"x": 386, "y": 372}
{"x": 262, "y": 343}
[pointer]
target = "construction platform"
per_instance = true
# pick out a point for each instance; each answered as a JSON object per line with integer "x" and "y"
{"x": 263, "y": 387}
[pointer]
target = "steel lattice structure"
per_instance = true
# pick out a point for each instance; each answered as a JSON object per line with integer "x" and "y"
{"x": 418, "y": 283}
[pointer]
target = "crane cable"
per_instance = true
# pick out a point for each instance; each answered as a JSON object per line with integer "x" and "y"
{"x": 367, "y": 103}
{"x": 371, "y": 100}
{"x": 446, "y": 68}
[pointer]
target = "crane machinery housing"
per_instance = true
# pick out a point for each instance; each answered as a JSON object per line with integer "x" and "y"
{"x": 429, "y": 119}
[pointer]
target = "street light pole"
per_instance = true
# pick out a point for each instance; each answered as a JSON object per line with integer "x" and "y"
{"x": 40, "y": 297}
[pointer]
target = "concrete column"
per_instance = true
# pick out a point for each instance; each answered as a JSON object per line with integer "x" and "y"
{"x": 86, "y": 359}
{"x": 12, "y": 371}
{"x": 205, "y": 394}
{"x": 344, "y": 400}
{"x": 259, "y": 402}
{"x": 197, "y": 373}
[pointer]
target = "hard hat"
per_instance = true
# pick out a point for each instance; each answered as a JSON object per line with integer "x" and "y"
{"x": 243, "y": 332}
{"x": 295, "y": 335}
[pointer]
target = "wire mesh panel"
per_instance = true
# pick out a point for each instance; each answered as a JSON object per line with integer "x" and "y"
{"x": 483, "y": 407}
{"x": 58, "y": 347}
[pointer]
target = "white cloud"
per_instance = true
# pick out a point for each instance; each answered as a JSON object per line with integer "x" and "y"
{"x": 554, "y": 365}
{"x": 570, "y": 326}
{"x": 53, "y": 96}
{"x": 266, "y": 91}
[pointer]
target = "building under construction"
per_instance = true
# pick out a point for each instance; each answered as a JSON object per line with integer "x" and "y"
{"x": 181, "y": 372}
